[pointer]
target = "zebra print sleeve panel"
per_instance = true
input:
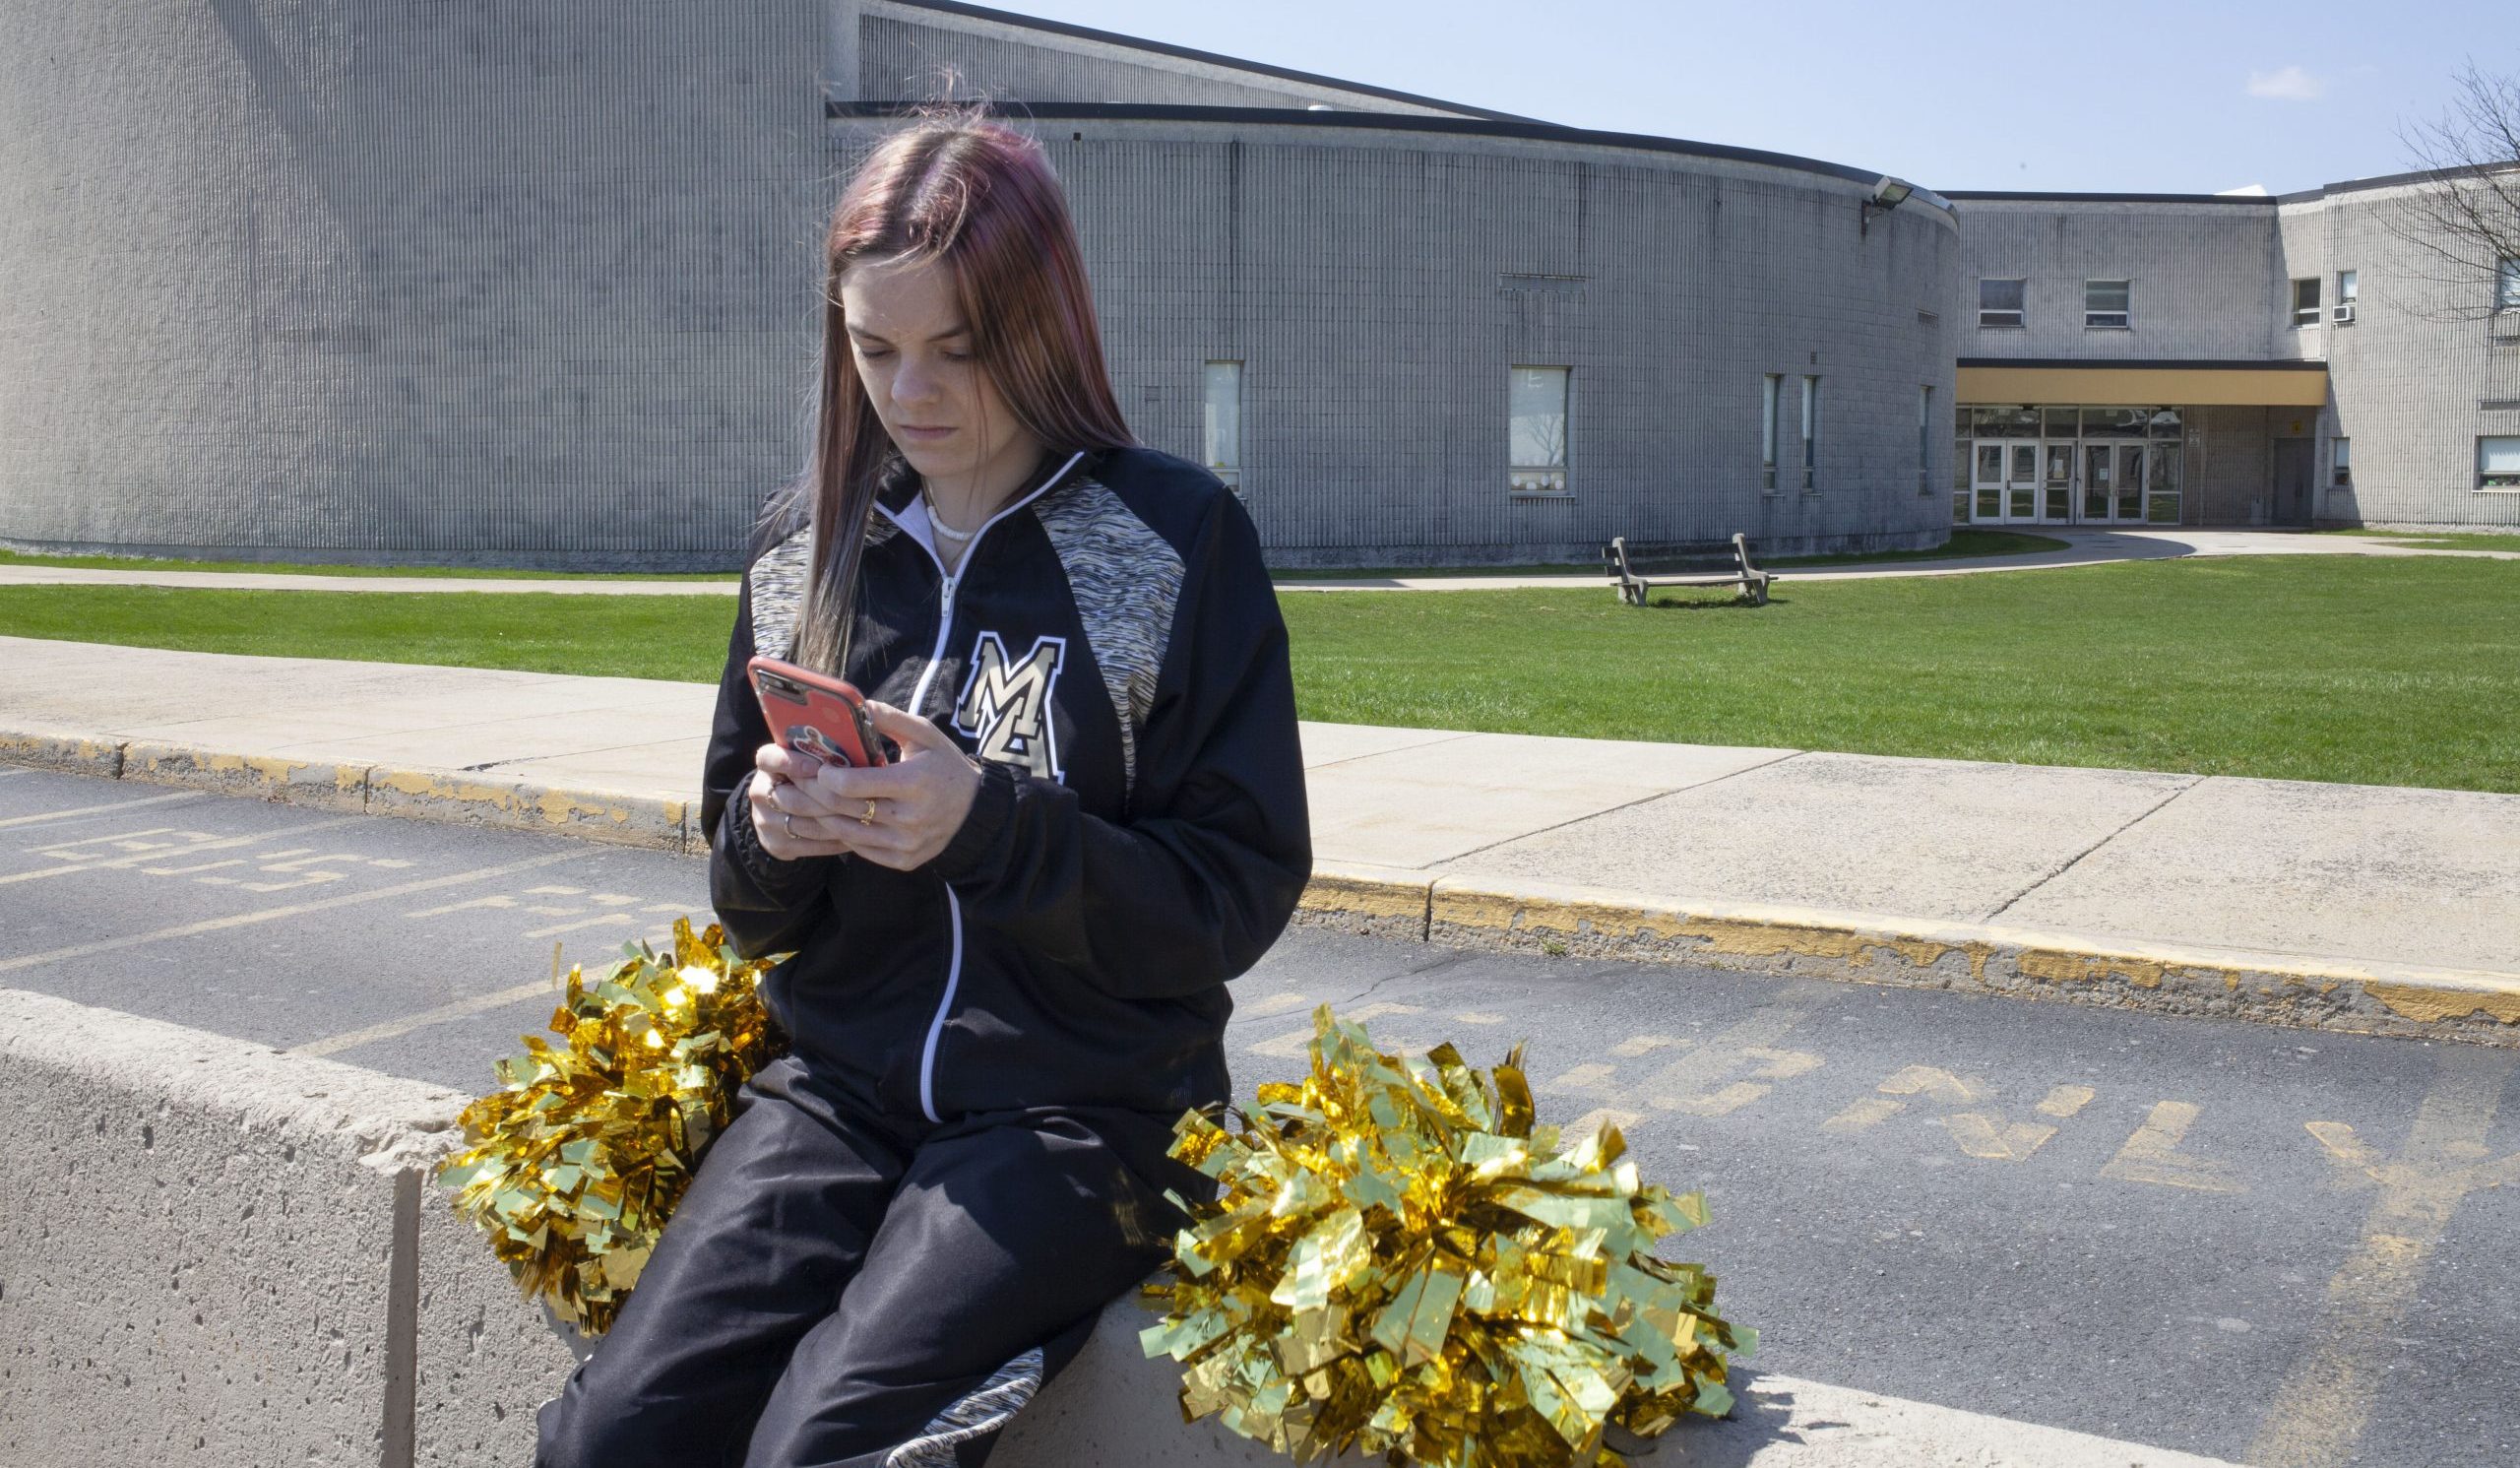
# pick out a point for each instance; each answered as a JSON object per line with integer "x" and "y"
{"x": 1126, "y": 581}
{"x": 777, "y": 579}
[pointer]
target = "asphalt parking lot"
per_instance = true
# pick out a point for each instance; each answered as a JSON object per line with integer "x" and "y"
{"x": 2229, "y": 1239}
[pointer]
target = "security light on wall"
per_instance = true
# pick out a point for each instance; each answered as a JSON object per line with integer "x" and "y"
{"x": 1887, "y": 195}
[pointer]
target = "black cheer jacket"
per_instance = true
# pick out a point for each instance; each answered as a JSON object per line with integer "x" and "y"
{"x": 1112, "y": 650}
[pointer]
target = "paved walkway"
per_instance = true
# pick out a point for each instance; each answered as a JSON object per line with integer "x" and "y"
{"x": 2342, "y": 874}
{"x": 2084, "y": 548}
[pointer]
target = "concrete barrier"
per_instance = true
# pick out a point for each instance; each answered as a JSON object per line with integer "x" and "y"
{"x": 219, "y": 1253}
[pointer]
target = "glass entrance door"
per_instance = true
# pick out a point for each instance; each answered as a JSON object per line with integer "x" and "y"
{"x": 2057, "y": 482}
{"x": 1987, "y": 482}
{"x": 2021, "y": 481}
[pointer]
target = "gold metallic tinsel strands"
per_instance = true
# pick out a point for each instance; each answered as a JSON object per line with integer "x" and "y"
{"x": 1399, "y": 1261}
{"x": 577, "y": 1161}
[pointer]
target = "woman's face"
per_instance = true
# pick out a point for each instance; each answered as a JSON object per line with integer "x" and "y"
{"x": 913, "y": 353}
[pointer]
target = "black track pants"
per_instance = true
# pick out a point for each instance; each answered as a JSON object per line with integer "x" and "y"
{"x": 838, "y": 1287}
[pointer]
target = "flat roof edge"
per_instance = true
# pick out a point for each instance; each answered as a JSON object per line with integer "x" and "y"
{"x": 2002, "y": 196}
{"x": 1192, "y": 53}
{"x": 2148, "y": 364}
{"x": 1544, "y": 132}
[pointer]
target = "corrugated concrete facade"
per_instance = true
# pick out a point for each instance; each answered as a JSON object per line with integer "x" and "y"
{"x": 450, "y": 283}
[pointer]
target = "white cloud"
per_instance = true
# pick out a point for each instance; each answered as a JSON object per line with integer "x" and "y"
{"x": 2287, "y": 84}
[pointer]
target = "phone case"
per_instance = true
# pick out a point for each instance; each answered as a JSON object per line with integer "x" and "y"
{"x": 814, "y": 713}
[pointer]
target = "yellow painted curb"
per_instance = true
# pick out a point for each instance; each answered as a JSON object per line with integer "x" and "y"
{"x": 270, "y": 777}
{"x": 481, "y": 799}
{"x": 62, "y": 749}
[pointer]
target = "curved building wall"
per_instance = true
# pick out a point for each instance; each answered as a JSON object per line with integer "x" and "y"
{"x": 1377, "y": 285}
{"x": 476, "y": 284}
{"x": 2424, "y": 371}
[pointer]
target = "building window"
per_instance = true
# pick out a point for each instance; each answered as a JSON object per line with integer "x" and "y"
{"x": 2349, "y": 288}
{"x": 2498, "y": 462}
{"x": 1220, "y": 423}
{"x": 2305, "y": 302}
{"x": 1771, "y": 388}
{"x": 2339, "y": 472}
{"x": 1925, "y": 440}
{"x": 2506, "y": 283}
{"x": 1810, "y": 432}
{"x": 1536, "y": 430}
{"x": 2105, "y": 304}
{"x": 2000, "y": 302}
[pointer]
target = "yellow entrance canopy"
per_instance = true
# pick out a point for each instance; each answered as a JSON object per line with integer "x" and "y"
{"x": 2144, "y": 384}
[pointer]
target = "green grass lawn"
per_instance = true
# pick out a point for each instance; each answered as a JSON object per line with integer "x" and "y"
{"x": 293, "y": 568}
{"x": 2398, "y": 671}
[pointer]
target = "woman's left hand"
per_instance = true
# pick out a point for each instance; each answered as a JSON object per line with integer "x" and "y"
{"x": 901, "y": 815}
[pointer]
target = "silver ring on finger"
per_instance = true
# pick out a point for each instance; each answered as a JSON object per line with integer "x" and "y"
{"x": 788, "y": 819}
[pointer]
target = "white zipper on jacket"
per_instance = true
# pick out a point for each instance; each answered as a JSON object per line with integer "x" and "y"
{"x": 917, "y": 701}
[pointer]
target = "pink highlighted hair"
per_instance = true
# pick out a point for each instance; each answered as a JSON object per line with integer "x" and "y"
{"x": 980, "y": 196}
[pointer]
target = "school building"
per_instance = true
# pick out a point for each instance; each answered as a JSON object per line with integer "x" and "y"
{"x": 485, "y": 285}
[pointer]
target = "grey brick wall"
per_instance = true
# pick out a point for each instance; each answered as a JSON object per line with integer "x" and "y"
{"x": 1378, "y": 287}
{"x": 2410, "y": 380}
{"x": 2206, "y": 279}
{"x": 454, "y": 282}
{"x": 473, "y": 283}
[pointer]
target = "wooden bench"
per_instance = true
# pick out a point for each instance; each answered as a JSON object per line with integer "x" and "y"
{"x": 1737, "y": 569}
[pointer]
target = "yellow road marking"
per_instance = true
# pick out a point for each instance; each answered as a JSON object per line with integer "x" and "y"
{"x": 1642, "y": 1045}
{"x": 601, "y": 919}
{"x": 1594, "y": 1120}
{"x": 116, "y": 806}
{"x": 1291, "y": 1045}
{"x": 2152, "y": 1155}
{"x": 1474, "y": 1018}
{"x": 1985, "y": 1134}
{"x": 2319, "y": 1413}
{"x": 1585, "y": 1077}
{"x": 1768, "y": 1066}
{"x": 1739, "y": 1063}
{"x": 270, "y": 915}
{"x": 460, "y": 1009}
{"x": 495, "y": 901}
{"x": 1273, "y": 1004}
{"x": 162, "y": 851}
{"x": 1866, "y": 1113}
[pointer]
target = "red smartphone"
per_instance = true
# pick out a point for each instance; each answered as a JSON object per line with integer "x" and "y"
{"x": 815, "y": 714}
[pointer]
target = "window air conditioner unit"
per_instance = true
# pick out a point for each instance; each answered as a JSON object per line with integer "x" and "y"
{"x": 2345, "y": 314}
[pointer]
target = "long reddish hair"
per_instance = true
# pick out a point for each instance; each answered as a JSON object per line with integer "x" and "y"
{"x": 980, "y": 196}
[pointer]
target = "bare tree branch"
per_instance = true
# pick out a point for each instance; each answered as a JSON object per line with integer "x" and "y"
{"x": 2462, "y": 221}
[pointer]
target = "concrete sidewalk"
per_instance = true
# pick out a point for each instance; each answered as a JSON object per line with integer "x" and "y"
{"x": 2366, "y": 908}
{"x": 2083, "y": 548}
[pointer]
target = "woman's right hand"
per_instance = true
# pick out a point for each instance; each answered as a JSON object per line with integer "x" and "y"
{"x": 789, "y": 812}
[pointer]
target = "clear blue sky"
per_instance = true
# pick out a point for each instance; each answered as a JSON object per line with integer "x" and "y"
{"x": 2133, "y": 97}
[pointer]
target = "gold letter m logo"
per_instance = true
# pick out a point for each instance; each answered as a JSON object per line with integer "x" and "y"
{"x": 1006, "y": 708}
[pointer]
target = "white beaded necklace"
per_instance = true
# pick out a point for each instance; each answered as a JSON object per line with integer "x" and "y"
{"x": 937, "y": 522}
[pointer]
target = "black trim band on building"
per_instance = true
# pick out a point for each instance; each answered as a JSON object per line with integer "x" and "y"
{"x": 2145, "y": 365}
{"x": 838, "y": 109}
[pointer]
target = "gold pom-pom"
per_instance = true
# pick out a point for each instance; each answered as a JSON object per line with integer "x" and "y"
{"x": 1399, "y": 1261}
{"x": 578, "y": 1160}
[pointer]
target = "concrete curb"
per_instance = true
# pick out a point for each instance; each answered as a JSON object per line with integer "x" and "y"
{"x": 2110, "y": 970}
{"x": 1424, "y": 906}
{"x": 469, "y": 797}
